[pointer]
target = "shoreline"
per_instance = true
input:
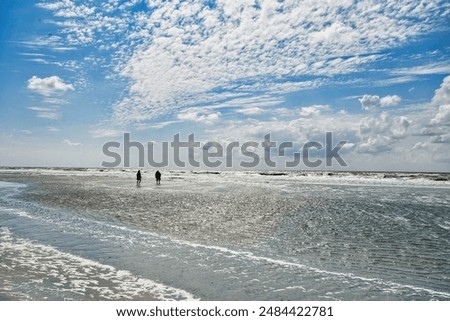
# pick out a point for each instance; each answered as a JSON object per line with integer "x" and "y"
{"x": 216, "y": 170}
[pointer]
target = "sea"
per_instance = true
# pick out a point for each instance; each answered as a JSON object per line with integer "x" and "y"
{"x": 93, "y": 234}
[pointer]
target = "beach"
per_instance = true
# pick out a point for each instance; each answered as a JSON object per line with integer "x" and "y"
{"x": 92, "y": 234}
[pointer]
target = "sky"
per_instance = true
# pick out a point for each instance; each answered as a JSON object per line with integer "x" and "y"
{"x": 78, "y": 74}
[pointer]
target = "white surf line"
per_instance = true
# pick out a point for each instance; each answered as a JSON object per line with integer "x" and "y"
{"x": 84, "y": 272}
{"x": 16, "y": 211}
{"x": 4, "y": 184}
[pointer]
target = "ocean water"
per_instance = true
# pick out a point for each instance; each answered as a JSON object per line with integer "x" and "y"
{"x": 89, "y": 234}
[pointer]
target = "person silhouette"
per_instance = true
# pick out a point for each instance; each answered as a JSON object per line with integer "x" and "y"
{"x": 158, "y": 177}
{"x": 138, "y": 178}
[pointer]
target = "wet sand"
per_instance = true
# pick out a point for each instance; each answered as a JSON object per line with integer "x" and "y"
{"x": 190, "y": 207}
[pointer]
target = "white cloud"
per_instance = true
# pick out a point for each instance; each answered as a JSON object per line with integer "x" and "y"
{"x": 379, "y": 134}
{"x": 337, "y": 32}
{"x": 442, "y": 99}
{"x": 428, "y": 69}
{"x": 52, "y": 42}
{"x": 369, "y": 102}
{"x": 47, "y": 113}
{"x": 53, "y": 101}
{"x": 373, "y": 102}
{"x": 54, "y": 5}
{"x": 436, "y": 129}
{"x": 199, "y": 115}
{"x": 394, "y": 81}
{"x": 49, "y": 85}
{"x": 69, "y": 143}
{"x": 158, "y": 125}
{"x": 249, "y": 111}
{"x": 312, "y": 111}
{"x": 390, "y": 100}
{"x": 39, "y": 109}
{"x": 364, "y": 135}
{"x": 442, "y": 139}
{"x": 443, "y": 116}
{"x": 106, "y": 132}
{"x": 176, "y": 52}
{"x": 442, "y": 94}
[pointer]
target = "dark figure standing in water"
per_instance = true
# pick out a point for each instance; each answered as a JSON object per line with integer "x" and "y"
{"x": 138, "y": 178}
{"x": 158, "y": 177}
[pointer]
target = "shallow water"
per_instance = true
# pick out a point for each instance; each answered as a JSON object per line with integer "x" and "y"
{"x": 89, "y": 235}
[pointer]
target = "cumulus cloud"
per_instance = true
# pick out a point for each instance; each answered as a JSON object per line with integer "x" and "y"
{"x": 437, "y": 129}
{"x": 199, "y": 115}
{"x": 49, "y": 85}
{"x": 369, "y": 102}
{"x": 311, "y": 111}
{"x": 442, "y": 94}
{"x": 443, "y": 116}
{"x": 441, "y": 121}
{"x": 442, "y": 139}
{"x": 380, "y": 133}
{"x": 390, "y": 100}
{"x": 373, "y": 102}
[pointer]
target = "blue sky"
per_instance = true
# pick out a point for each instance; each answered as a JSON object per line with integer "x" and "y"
{"x": 77, "y": 74}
